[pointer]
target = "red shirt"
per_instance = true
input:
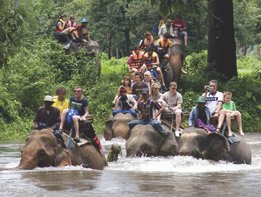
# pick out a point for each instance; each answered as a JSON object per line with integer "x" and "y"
{"x": 179, "y": 23}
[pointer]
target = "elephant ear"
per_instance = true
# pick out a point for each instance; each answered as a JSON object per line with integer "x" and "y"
{"x": 218, "y": 146}
{"x": 108, "y": 129}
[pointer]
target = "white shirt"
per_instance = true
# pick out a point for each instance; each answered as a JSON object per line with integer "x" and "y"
{"x": 212, "y": 101}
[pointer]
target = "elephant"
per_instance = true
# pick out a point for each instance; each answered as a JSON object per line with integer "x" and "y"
{"x": 42, "y": 150}
{"x": 145, "y": 140}
{"x": 117, "y": 126}
{"x": 172, "y": 68}
{"x": 214, "y": 146}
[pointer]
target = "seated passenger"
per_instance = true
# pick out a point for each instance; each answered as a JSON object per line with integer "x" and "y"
{"x": 136, "y": 60}
{"x": 72, "y": 23}
{"x": 62, "y": 31}
{"x": 174, "y": 101}
{"x": 167, "y": 28}
{"x": 148, "y": 40}
{"x": 163, "y": 44}
{"x": 229, "y": 110}
{"x": 49, "y": 117}
{"x": 78, "y": 110}
{"x": 126, "y": 83}
{"x": 125, "y": 103}
{"x": 60, "y": 102}
{"x": 180, "y": 27}
{"x": 145, "y": 107}
{"x": 148, "y": 80}
{"x": 83, "y": 30}
{"x": 138, "y": 85}
{"x": 151, "y": 61}
{"x": 200, "y": 116}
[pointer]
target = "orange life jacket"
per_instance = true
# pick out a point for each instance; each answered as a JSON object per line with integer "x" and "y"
{"x": 163, "y": 43}
{"x": 148, "y": 41}
{"x": 57, "y": 29}
{"x": 149, "y": 59}
{"x": 137, "y": 60}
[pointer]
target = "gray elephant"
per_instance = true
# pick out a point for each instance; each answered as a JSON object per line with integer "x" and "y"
{"x": 145, "y": 140}
{"x": 117, "y": 126}
{"x": 42, "y": 150}
{"x": 197, "y": 143}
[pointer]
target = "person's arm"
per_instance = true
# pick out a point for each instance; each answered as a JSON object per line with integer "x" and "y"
{"x": 37, "y": 119}
{"x": 129, "y": 62}
{"x": 191, "y": 119}
{"x": 57, "y": 121}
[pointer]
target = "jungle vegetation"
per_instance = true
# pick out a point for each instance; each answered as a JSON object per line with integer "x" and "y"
{"x": 33, "y": 64}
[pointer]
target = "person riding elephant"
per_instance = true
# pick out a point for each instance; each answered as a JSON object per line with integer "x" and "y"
{"x": 214, "y": 146}
{"x": 147, "y": 141}
{"x": 42, "y": 150}
{"x": 83, "y": 30}
{"x": 48, "y": 116}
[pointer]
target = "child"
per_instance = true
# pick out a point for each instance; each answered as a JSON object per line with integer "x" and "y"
{"x": 229, "y": 109}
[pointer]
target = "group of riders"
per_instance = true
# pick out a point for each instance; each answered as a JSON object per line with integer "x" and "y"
{"x": 68, "y": 31}
{"x": 143, "y": 93}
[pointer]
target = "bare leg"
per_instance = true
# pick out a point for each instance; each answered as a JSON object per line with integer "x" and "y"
{"x": 63, "y": 115}
{"x": 76, "y": 126}
{"x": 221, "y": 118}
{"x": 239, "y": 122}
{"x": 160, "y": 76}
{"x": 185, "y": 38}
{"x": 228, "y": 119}
{"x": 178, "y": 119}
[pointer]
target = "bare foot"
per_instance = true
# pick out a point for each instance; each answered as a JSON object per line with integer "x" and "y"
{"x": 241, "y": 133}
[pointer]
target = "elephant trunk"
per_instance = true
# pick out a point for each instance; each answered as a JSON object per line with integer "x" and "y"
{"x": 27, "y": 162}
{"x": 195, "y": 153}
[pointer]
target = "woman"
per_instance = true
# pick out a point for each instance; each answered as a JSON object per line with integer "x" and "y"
{"x": 126, "y": 83}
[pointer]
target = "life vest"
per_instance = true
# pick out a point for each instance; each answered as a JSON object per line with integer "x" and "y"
{"x": 149, "y": 59}
{"x": 57, "y": 29}
{"x": 137, "y": 60}
{"x": 163, "y": 43}
{"x": 147, "y": 41}
{"x": 71, "y": 23}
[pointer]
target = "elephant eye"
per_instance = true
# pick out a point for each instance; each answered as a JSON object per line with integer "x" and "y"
{"x": 41, "y": 153}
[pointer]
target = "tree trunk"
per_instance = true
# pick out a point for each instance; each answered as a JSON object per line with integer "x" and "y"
{"x": 127, "y": 41}
{"x": 221, "y": 38}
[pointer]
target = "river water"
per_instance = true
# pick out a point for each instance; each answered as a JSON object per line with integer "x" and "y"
{"x": 156, "y": 176}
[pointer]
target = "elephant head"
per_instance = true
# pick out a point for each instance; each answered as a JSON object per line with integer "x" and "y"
{"x": 117, "y": 126}
{"x": 197, "y": 143}
{"x": 93, "y": 48}
{"x": 145, "y": 140}
{"x": 42, "y": 150}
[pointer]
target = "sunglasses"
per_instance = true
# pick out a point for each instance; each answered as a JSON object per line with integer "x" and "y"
{"x": 77, "y": 91}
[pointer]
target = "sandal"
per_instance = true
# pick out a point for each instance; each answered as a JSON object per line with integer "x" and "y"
{"x": 76, "y": 140}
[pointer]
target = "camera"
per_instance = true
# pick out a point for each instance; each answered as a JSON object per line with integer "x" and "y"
{"x": 208, "y": 88}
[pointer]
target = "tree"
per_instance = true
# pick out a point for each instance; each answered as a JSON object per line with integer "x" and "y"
{"x": 221, "y": 38}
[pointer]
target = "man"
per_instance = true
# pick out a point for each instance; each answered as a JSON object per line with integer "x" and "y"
{"x": 83, "y": 30}
{"x": 48, "y": 116}
{"x": 146, "y": 107}
{"x": 180, "y": 26}
{"x": 136, "y": 60}
{"x": 78, "y": 111}
{"x": 59, "y": 101}
{"x": 174, "y": 101}
{"x": 214, "y": 98}
{"x": 167, "y": 28}
{"x": 214, "y": 101}
{"x": 138, "y": 85}
{"x": 125, "y": 103}
{"x": 163, "y": 44}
